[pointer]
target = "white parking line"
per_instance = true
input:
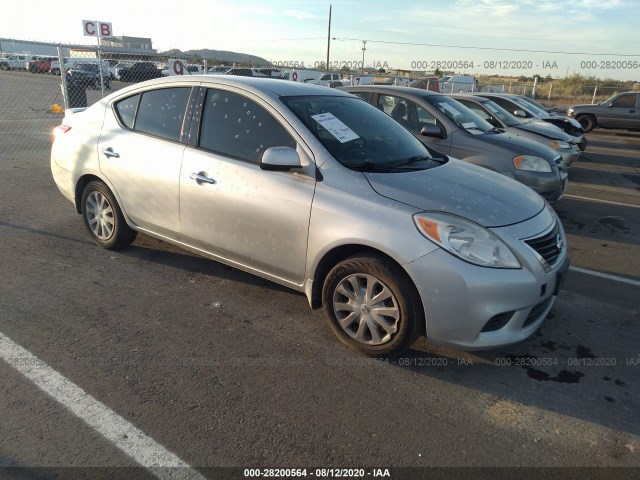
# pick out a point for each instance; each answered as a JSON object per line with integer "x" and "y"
{"x": 132, "y": 441}
{"x": 605, "y": 275}
{"x": 600, "y": 201}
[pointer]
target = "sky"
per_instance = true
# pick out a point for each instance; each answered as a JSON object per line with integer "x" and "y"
{"x": 512, "y": 37}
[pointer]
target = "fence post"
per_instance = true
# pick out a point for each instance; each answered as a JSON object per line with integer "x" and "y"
{"x": 204, "y": 66}
{"x": 593, "y": 99}
{"x": 509, "y": 87}
{"x": 550, "y": 87}
{"x": 503, "y": 88}
{"x": 63, "y": 77}
{"x": 533, "y": 92}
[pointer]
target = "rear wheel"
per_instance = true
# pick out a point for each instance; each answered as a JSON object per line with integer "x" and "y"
{"x": 372, "y": 305}
{"x": 588, "y": 122}
{"x": 4, "y": 66}
{"x": 103, "y": 218}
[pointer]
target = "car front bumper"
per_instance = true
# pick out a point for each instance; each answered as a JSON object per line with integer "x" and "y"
{"x": 464, "y": 303}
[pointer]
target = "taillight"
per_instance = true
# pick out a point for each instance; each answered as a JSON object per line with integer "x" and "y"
{"x": 60, "y": 130}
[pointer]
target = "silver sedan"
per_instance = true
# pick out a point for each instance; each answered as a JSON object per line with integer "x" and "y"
{"x": 317, "y": 190}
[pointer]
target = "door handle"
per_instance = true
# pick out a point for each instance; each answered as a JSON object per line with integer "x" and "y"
{"x": 201, "y": 177}
{"x": 108, "y": 152}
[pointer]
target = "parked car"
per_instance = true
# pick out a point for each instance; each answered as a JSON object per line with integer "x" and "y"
{"x": 41, "y": 64}
{"x": 426, "y": 83}
{"x": 139, "y": 72}
{"x": 255, "y": 72}
{"x": 522, "y": 108}
{"x": 15, "y": 62}
{"x": 319, "y": 191}
{"x": 620, "y": 111}
{"x": 449, "y": 127}
{"x": 544, "y": 133}
{"x": 458, "y": 84}
{"x": 88, "y": 75}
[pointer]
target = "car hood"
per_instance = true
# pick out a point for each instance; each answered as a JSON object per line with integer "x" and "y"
{"x": 517, "y": 145}
{"x": 546, "y": 130}
{"x": 475, "y": 193}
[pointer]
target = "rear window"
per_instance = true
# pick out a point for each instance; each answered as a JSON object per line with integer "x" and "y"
{"x": 161, "y": 112}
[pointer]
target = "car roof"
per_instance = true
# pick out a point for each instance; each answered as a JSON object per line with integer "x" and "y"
{"x": 391, "y": 89}
{"x": 278, "y": 87}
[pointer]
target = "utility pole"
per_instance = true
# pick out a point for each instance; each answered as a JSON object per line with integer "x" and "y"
{"x": 364, "y": 49}
{"x": 328, "y": 40}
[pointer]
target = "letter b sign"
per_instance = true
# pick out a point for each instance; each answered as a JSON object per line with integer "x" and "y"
{"x": 93, "y": 28}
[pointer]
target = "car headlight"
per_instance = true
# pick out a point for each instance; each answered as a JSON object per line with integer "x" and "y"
{"x": 570, "y": 112}
{"x": 466, "y": 240}
{"x": 531, "y": 163}
{"x": 556, "y": 144}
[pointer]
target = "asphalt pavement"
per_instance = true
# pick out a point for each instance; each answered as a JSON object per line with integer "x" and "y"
{"x": 209, "y": 367}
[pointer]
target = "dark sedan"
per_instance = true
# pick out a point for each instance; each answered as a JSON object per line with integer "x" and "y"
{"x": 139, "y": 72}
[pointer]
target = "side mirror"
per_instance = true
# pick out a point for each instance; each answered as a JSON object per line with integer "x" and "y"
{"x": 432, "y": 131}
{"x": 280, "y": 159}
{"x": 520, "y": 113}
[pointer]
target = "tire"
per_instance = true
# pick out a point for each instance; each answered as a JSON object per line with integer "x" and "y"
{"x": 55, "y": 71}
{"x": 588, "y": 122}
{"x": 352, "y": 316}
{"x": 4, "y": 66}
{"x": 103, "y": 218}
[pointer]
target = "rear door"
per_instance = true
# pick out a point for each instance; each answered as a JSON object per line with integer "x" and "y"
{"x": 140, "y": 153}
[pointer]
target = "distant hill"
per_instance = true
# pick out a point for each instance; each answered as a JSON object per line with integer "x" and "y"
{"x": 219, "y": 55}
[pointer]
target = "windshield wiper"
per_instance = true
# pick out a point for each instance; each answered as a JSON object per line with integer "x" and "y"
{"x": 417, "y": 158}
{"x": 368, "y": 166}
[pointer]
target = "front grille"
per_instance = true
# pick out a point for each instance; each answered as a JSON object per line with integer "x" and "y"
{"x": 536, "y": 311}
{"x": 547, "y": 245}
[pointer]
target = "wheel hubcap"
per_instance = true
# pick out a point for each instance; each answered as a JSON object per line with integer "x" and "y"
{"x": 366, "y": 309}
{"x": 99, "y": 214}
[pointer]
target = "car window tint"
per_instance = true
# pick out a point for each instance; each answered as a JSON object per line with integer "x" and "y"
{"x": 126, "y": 110}
{"x": 362, "y": 95}
{"x": 237, "y": 126}
{"x": 161, "y": 112}
{"x": 625, "y": 101}
{"x": 406, "y": 112}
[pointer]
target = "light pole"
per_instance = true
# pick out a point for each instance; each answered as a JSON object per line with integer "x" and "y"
{"x": 364, "y": 49}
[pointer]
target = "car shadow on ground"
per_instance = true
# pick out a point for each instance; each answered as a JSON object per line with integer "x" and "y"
{"x": 580, "y": 366}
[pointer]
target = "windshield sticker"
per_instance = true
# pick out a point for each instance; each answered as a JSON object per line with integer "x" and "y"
{"x": 335, "y": 127}
{"x": 472, "y": 128}
{"x": 450, "y": 109}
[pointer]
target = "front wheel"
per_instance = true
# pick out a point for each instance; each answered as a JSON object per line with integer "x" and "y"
{"x": 103, "y": 218}
{"x": 588, "y": 122}
{"x": 372, "y": 305}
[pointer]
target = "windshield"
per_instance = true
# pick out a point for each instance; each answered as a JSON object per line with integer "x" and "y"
{"x": 462, "y": 116}
{"x": 538, "y": 112}
{"x": 358, "y": 135}
{"x": 497, "y": 111}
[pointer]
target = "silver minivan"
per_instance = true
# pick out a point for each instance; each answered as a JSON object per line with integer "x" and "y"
{"x": 319, "y": 191}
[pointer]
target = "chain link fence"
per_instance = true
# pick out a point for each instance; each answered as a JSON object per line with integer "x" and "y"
{"x": 36, "y": 89}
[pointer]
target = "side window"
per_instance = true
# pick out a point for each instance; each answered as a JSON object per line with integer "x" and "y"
{"x": 508, "y": 105}
{"x": 236, "y": 126}
{"x": 362, "y": 95}
{"x": 126, "y": 110}
{"x": 475, "y": 108}
{"x": 407, "y": 113}
{"x": 161, "y": 112}
{"x": 625, "y": 101}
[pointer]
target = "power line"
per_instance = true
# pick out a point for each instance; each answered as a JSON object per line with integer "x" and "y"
{"x": 487, "y": 48}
